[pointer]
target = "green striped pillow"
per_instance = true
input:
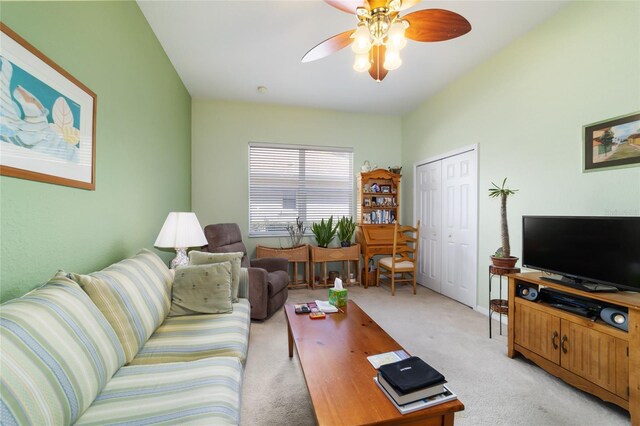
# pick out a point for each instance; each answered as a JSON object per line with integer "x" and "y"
{"x": 58, "y": 353}
{"x": 134, "y": 295}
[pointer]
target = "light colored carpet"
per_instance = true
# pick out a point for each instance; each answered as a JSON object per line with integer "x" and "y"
{"x": 495, "y": 389}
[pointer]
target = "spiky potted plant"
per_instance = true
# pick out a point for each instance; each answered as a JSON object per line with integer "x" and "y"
{"x": 346, "y": 228}
{"x": 502, "y": 257}
{"x": 324, "y": 232}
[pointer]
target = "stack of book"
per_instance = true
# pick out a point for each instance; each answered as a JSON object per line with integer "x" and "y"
{"x": 412, "y": 384}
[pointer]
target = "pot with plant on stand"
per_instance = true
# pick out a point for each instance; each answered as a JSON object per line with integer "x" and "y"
{"x": 502, "y": 257}
{"x": 297, "y": 254}
{"x": 324, "y": 233}
{"x": 346, "y": 228}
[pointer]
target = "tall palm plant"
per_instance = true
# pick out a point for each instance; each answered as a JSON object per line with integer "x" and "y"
{"x": 503, "y": 193}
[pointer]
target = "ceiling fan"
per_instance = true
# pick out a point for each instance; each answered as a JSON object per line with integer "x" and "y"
{"x": 381, "y": 32}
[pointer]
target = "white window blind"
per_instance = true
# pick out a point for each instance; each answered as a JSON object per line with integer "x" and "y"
{"x": 290, "y": 181}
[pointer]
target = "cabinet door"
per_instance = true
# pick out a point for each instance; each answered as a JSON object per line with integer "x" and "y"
{"x": 589, "y": 354}
{"x": 622, "y": 369}
{"x": 537, "y": 331}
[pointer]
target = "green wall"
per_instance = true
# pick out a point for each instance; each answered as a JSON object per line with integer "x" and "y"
{"x": 525, "y": 108}
{"x": 142, "y": 149}
{"x": 221, "y": 133}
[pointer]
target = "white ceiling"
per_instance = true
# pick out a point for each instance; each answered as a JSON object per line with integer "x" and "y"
{"x": 226, "y": 49}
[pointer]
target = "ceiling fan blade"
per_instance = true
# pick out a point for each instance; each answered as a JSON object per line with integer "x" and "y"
{"x": 329, "y": 46}
{"x": 435, "y": 25}
{"x": 348, "y": 6}
{"x": 406, "y": 4}
{"x": 377, "y": 71}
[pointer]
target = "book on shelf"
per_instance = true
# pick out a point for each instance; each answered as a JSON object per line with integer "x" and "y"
{"x": 411, "y": 374}
{"x": 421, "y": 404}
{"x": 406, "y": 398}
{"x": 387, "y": 358}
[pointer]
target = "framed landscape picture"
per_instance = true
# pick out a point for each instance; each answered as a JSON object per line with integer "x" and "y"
{"x": 614, "y": 142}
{"x": 47, "y": 118}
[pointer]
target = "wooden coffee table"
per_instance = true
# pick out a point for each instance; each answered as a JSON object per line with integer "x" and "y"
{"x": 333, "y": 353}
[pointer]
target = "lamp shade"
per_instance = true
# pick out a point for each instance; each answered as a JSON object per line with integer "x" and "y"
{"x": 362, "y": 63}
{"x": 392, "y": 60}
{"x": 361, "y": 40}
{"x": 181, "y": 230}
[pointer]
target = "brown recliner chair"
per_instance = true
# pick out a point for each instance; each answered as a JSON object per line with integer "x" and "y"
{"x": 268, "y": 277}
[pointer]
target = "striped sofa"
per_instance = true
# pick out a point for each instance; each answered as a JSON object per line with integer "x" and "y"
{"x": 100, "y": 349}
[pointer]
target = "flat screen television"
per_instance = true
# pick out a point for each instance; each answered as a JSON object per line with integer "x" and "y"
{"x": 591, "y": 253}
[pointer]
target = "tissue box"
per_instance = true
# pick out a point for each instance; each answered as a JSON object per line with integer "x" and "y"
{"x": 338, "y": 297}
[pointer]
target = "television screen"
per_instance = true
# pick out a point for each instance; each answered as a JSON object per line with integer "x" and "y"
{"x": 601, "y": 250}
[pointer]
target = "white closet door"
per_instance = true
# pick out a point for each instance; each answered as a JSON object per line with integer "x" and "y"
{"x": 459, "y": 223}
{"x": 429, "y": 194}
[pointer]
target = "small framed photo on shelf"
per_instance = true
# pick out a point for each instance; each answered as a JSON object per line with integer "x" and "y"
{"x": 367, "y": 202}
{"x": 386, "y": 189}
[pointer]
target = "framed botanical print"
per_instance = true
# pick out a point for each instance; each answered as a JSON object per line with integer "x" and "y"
{"x": 47, "y": 118}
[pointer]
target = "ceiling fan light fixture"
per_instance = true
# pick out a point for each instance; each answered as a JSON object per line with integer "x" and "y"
{"x": 378, "y": 27}
{"x": 382, "y": 33}
{"x": 361, "y": 39}
{"x": 362, "y": 63}
{"x": 392, "y": 60}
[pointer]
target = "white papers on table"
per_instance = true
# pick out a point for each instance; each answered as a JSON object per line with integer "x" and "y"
{"x": 387, "y": 358}
{"x": 326, "y": 307}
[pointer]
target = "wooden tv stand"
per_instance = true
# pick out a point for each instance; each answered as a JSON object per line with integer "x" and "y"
{"x": 591, "y": 355}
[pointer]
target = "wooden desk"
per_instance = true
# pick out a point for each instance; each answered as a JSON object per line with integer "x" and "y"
{"x": 333, "y": 355}
{"x": 373, "y": 240}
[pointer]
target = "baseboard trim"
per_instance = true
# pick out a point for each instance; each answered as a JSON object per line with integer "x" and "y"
{"x": 484, "y": 311}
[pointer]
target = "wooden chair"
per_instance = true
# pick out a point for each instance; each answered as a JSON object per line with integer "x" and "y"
{"x": 404, "y": 259}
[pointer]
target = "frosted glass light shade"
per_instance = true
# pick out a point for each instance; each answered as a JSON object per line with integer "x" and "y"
{"x": 395, "y": 37}
{"x": 392, "y": 60}
{"x": 361, "y": 40}
{"x": 181, "y": 230}
{"x": 362, "y": 62}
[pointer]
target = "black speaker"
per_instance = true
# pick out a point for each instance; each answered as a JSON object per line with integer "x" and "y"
{"x": 616, "y": 317}
{"x": 526, "y": 292}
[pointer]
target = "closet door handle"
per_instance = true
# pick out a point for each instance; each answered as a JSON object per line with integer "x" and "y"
{"x": 563, "y": 344}
{"x": 554, "y": 340}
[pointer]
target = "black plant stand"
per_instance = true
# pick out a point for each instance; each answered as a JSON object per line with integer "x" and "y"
{"x": 499, "y": 305}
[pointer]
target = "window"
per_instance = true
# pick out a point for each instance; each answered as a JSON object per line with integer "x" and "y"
{"x": 290, "y": 181}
